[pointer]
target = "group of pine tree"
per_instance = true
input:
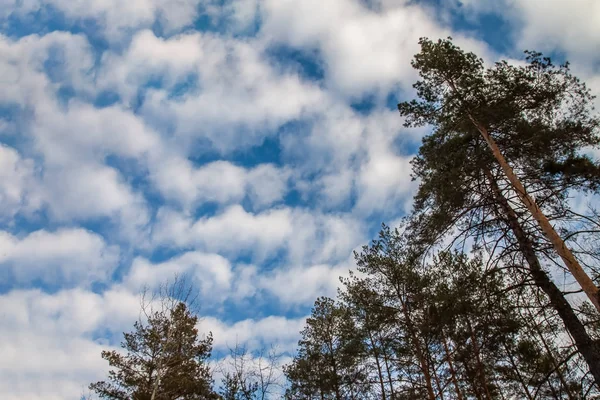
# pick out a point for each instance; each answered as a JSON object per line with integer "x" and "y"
{"x": 487, "y": 290}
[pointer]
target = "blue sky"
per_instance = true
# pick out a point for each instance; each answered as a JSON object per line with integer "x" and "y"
{"x": 250, "y": 145}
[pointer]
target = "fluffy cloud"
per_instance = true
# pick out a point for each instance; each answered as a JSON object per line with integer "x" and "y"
{"x": 254, "y": 333}
{"x": 49, "y": 350}
{"x": 17, "y": 179}
{"x": 303, "y": 236}
{"x": 302, "y": 285}
{"x": 179, "y": 181}
{"x": 82, "y": 133}
{"x": 47, "y": 346}
{"x": 70, "y": 143}
{"x": 573, "y": 27}
{"x": 115, "y": 18}
{"x": 353, "y": 157}
{"x": 63, "y": 257}
{"x": 364, "y": 48}
{"x": 211, "y": 274}
{"x": 232, "y": 96}
{"x": 234, "y": 231}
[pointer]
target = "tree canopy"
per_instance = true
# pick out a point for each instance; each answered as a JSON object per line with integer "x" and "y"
{"x": 163, "y": 359}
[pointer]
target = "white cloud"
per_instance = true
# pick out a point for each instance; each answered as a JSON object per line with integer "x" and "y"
{"x": 63, "y": 257}
{"x": 217, "y": 280}
{"x": 570, "y": 26}
{"x": 116, "y": 18}
{"x": 352, "y": 156}
{"x": 547, "y": 25}
{"x": 302, "y": 285}
{"x": 72, "y": 142}
{"x": 66, "y": 57}
{"x": 364, "y": 49}
{"x": 47, "y": 347}
{"x": 254, "y": 333}
{"x": 305, "y": 237}
{"x": 211, "y": 274}
{"x": 384, "y": 182}
{"x": 86, "y": 191}
{"x": 82, "y": 133}
{"x": 231, "y": 232}
{"x": 49, "y": 351}
{"x": 238, "y": 97}
{"x": 220, "y": 181}
{"x": 17, "y": 179}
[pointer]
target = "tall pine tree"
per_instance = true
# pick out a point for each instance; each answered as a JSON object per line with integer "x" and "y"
{"x": 526, "y": 115}
{"x": 535, "y": 116}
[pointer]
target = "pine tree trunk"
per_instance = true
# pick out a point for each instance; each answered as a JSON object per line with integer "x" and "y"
{"x": 436, "y": 378}
{"x": 379, "y": 371}
{"x": 459, "y": 395}
{"x": 418, "y": 350}
{"x": 480, "y": 368}
{"x": 472, "y": 379}
{"x": 336, "y": 386}
{"x": 586, "y": 283}
{"x": 517, "y": 372}
{"x": 585, "y": 345}
{"x": 389, "y": 374}
{"x": 555, "y": 364}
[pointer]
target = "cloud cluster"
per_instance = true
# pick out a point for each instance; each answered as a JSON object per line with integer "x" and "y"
{"x": 65, "y": 257}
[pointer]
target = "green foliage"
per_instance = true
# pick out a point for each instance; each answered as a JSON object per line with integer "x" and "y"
{"x": 164, "y": 356}
{"x": 238, "y": 389}
{"x": 539, "y": 115}
{"x": 327, "y": 364}
{"x": 440, "y": 329}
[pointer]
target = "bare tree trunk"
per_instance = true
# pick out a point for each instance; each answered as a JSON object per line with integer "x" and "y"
{"x": 436, "y": 378}
{"x": 389, "y": 374}
{"x": 336, "y": 387}
{"x": 471, "y": 374}
{"x": 586, "y": 283}
{"x": 552, "y": 358}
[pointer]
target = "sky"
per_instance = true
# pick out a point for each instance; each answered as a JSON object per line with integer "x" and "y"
{"x": 249, "y": 145}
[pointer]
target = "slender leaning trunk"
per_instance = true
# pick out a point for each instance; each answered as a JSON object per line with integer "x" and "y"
{"x": 585, "y": 345}
{"x": 459, "y": 395}
{"x": 586, "y": 283}
{"x": 480, "y": 368}
{"x": 378, "y": 364}
{"x": 418, "y": 350}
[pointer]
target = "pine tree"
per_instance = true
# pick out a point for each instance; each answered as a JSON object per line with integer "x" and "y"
{"x": 528, "y": 116}
{"x": 538, "y": 115}
{"x": 327, "y": 364}
{"x": 446, "y": 327}
{"x": 164, "y": 359}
